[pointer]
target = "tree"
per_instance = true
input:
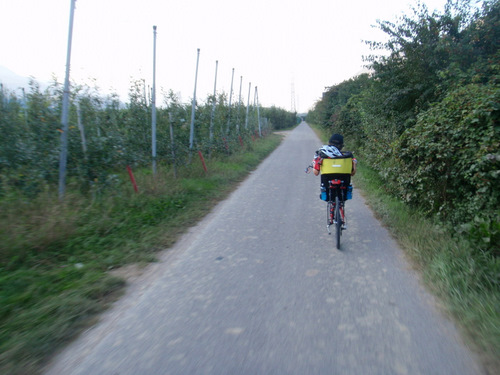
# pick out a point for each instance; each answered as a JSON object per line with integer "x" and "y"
{"x": 421, "y": 47}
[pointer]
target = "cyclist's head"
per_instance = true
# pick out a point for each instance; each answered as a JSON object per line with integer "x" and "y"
{"x": 336, "y": 140}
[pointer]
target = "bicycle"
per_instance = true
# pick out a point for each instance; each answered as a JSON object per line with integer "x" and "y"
{"x": 336, "y": 189}
{"x": 335, "y": 208}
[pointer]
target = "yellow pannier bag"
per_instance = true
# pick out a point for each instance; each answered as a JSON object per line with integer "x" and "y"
{"x": 340, "y": 165}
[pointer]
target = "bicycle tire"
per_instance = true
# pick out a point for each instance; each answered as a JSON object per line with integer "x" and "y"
{"x": 338, "y": 222}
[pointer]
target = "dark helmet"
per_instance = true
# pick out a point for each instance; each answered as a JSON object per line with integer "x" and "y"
{"x": 337, "y": 140}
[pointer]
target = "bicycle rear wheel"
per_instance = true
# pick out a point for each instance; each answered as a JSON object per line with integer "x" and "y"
{"x": 338, "y": 222}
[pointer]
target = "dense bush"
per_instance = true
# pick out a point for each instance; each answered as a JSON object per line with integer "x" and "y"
{"x": 449, "y": 162}
{"x": 427, "y": 117}
{"x": 280, "y": 118}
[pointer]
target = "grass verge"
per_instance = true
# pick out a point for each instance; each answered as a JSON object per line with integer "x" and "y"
{"x": 464, "y": 278}
{"x": 56, "y": 257}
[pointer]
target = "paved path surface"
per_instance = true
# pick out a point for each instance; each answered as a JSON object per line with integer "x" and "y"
{"x": 258, "y": 288}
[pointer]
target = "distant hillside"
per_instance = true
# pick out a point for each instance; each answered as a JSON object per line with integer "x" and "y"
{"x": 13, "y": 81}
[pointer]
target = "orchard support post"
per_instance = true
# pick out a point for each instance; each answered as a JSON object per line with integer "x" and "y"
{"x": 63, "y": 158}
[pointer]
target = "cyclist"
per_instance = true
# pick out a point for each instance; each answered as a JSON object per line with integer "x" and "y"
{"x": 333, "y": 151}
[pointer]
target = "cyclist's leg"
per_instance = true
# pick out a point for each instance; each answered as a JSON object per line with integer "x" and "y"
{"x": 329, "y": 216}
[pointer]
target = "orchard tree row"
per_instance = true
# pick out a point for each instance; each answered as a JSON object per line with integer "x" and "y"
{"x": 106, "y": 135}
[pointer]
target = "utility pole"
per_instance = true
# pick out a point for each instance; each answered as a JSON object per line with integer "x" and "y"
{"x": 230, "y": 97}
{"x": 63, "y": 159}
{"x": 256, "y": 103}
{"x": 239, "y": 105}
{"x": 82, "y": 130}
{"x": 248, "y": 104}
{"x": 212, "y": 115}
{"x": 153, "y": 104}
{"x": 191, "y": 131}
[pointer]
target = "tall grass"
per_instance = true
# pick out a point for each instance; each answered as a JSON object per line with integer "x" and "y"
{"x": 56, "y": 257}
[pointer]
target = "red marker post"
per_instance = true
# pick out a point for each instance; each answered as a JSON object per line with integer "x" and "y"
{"x": 202, "y": 161}
{"x": 132, "y": 179}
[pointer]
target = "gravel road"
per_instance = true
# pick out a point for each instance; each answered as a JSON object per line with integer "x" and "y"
{"x": 259, "y": 288}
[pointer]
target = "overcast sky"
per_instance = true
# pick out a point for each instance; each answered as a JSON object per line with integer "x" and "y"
{"x": 274, "y": 44}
